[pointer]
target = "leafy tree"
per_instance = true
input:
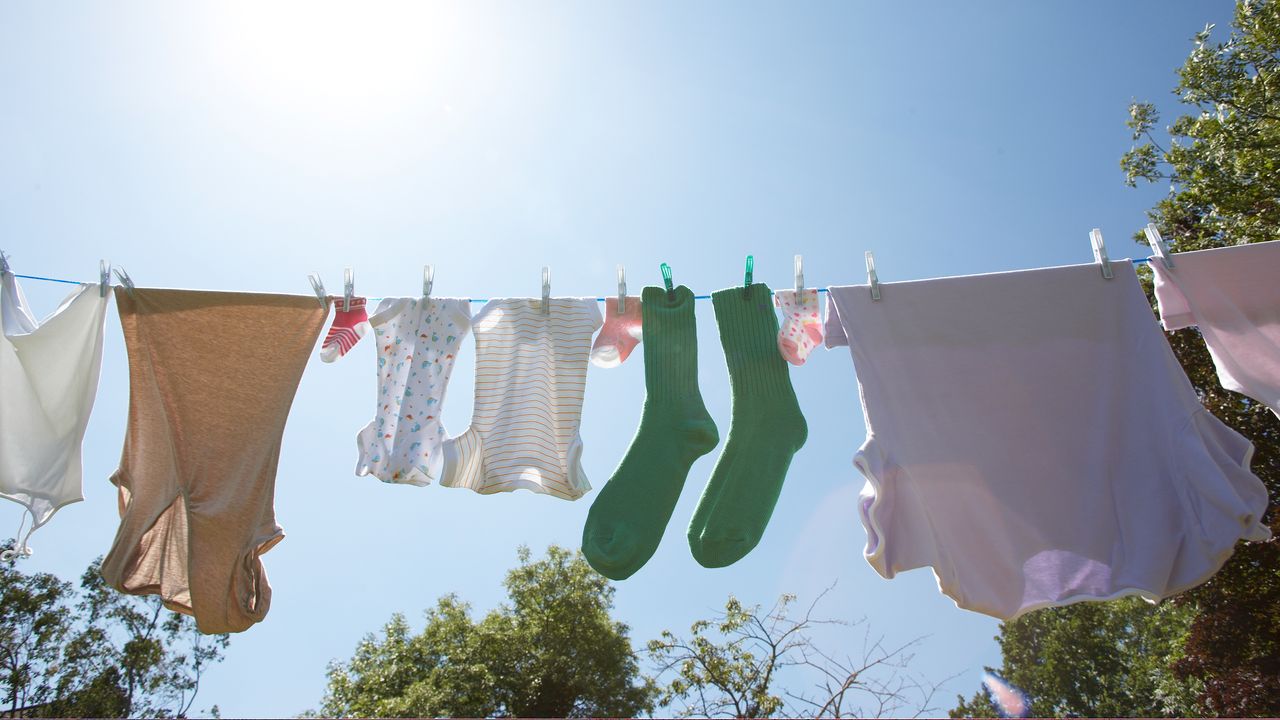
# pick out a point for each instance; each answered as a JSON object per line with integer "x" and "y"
{"x": 1216, "y": 648}
{"x": 1110, "y": 659}
{"x": 552, "y": 650}
{"x": 730, "y": 666}
{"x": 1223, "y": 164}
{"x": 107, "y": 655}
{"x": 33, "y": 624}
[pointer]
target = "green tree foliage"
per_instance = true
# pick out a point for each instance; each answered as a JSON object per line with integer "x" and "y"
{"x": 1109, "y": 659}
{"x": 551, "y": 651}
{"x": 733, "y": 666}
{"x": 33, "y": 625}
{"x": 1216, "y": 649}
{"x": 97, "y": 652}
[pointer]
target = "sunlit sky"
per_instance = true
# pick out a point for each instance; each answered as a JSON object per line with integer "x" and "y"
{"x": 242, "y": 145}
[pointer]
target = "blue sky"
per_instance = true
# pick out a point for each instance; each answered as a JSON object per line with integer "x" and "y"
{"x": 240, "y": 145}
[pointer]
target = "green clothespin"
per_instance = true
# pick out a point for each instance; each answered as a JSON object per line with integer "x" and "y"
{"x": 746, "y": 281}
{"x": 666, "y": 280}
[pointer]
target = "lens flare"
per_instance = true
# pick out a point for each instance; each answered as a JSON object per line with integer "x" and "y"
{"x": 1009, "y": 700}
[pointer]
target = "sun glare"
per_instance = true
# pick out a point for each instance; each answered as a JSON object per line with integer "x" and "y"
{"x": 330, "y": 52}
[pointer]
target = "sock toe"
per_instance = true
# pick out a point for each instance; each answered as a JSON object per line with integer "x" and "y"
{"x": 716, "y": 550}
{"x": 612, "y": 552}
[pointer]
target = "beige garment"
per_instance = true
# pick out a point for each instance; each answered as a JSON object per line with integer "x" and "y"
{"x": 211, "y": 379}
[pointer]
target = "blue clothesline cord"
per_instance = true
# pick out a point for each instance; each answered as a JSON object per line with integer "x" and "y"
{"x": 1135, "y": 261}
{"x": 37, "y": 277}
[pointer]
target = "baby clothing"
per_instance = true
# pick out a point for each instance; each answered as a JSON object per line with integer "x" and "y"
{"x": 211, "y": 379}
{"x": 801, "y": 329}
{"x": 531, "y": 373}
{"x": 1233, "y": 295}
{"x": 347, "y": 329}
{"x": 49, "y": 371}
{"x": 1031, "y": 437}
{"x": 418, "y": 340}
{"x": 620, "y": 334}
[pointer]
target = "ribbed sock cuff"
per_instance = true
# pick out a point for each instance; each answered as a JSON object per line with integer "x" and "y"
{"x": 749, "y": 336}
{"x": 670, "y": 343}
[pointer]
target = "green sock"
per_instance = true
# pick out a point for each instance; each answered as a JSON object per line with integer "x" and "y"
{"x": 766, "y": 430}
{"x": 627, "y": 519}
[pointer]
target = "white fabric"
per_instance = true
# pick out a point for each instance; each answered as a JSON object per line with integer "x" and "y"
{"x": 49, "y": 375}
{"x": 418, "y": 341}
{"x": 1233, "y": 295}
{"x": 531, "y": 376}
{"x": 1031, "y": 437}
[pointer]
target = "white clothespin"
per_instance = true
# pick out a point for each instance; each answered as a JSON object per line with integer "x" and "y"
{"x": 1100, "y": 252}
{"x": 799, "y": 275}
{"x": 546, "y": 290}
{"x": 1158, "y": 245}
{"x": 104, "y": 277}
{"x": 4, "y": 262}
{"x": 428, "y": 280}
{"x": 622, "y": 290}
{"x": 348, "y": 288}
{"x": 872, "y": 279}
{"x": 318, "y": 287}
{"x": 123, "y": 276}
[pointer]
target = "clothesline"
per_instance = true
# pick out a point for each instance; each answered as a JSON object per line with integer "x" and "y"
{"x": 1135, "y": 261}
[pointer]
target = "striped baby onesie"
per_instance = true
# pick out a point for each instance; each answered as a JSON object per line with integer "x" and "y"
{"x": 531, "y": 372}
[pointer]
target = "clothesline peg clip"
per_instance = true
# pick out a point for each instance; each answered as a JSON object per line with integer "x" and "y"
{"x": 546, "y": 290}
{"x": 622, "y": 290}
{"x": 428, "y": 280}
{"x": 1158, "y": 245}
{"x": 666, "y": 280}
{"x": 104, "y": 277}
{"x": 317, "y": 285}
{"x": 1100, "y": 253}
{"x": 348, "y": 288}
{"x": 123, "y": 276}
{"x": 799, "y": 274}
{"x": 4, "y": 262}
{"x": 872, "y": 278}
{"x": 746, "y": 276}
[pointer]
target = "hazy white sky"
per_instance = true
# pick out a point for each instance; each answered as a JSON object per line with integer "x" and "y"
{"x": 242, "y": 145}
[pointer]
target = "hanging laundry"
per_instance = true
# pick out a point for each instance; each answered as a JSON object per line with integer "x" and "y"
{"x": 620, "y": 334}
{"x": 49, "y": 371}
{"x": 418, "y": 340}
{"x": 627, "y": 519}
{"x": 766, "y": 431}
{"x": 531, "y": 372}
{"x": 1031, "y": 437}
{"x": 1233, "y": 295}
{"x": 348, "y": 327}
{"x": 801, "y": 329}
{"x": 211, "y": 379}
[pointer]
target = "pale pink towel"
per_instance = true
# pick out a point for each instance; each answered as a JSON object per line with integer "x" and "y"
{"x": 1031, "y": 437}
{"x": 1233, "y": 295}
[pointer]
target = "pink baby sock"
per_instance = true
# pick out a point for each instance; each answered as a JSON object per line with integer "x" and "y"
{"x": 801, "y": 329}
{"x": 619, "y": 335}
{"x": 347, "y": 329}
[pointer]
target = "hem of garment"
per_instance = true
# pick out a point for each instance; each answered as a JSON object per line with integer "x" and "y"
{"x": 875, "y": 556}
{"x": 414, "y": 477}
{"x": 255, "y": 552}
{"x": 37, "y": 523}
{"x": 512, "y": 486}
{"x": 1249, "y": 531}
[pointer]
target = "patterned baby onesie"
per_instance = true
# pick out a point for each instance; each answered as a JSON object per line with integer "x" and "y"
{"x": 418, "y": 340}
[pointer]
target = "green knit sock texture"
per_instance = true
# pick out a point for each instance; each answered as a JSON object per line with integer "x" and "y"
{"x": 627, "y": 519}
{"x": 766, "y": 430}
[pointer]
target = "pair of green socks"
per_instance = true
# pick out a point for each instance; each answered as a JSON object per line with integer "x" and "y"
{"x": 629, "y": 516}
